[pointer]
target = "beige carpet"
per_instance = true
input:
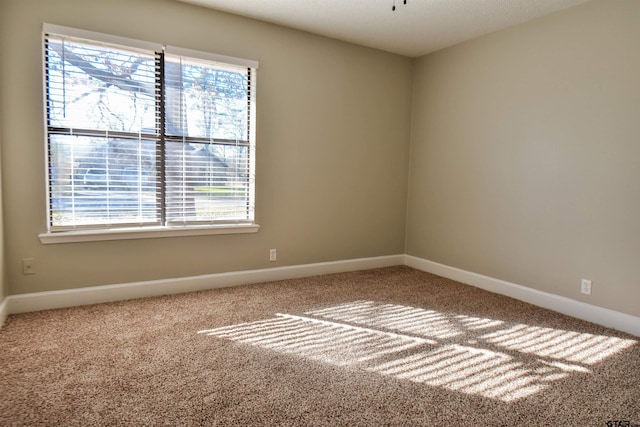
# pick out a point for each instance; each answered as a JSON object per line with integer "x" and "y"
{"x": 391, "y": 346}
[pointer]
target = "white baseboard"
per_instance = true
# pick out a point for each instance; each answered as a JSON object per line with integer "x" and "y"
{"x": 599, "y": 315}
{"x": 4, "y": 311}
{"x": 98, "y": 294}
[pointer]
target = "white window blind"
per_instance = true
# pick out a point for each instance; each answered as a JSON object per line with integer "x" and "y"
{"x": 208, "y": 160}
{"x": 140, "y": 137}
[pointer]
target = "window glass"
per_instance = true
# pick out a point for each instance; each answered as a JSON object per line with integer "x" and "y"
{"x": 100, "y": 87}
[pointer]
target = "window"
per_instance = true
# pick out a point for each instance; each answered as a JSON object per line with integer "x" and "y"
{"x": 142, "y": 135}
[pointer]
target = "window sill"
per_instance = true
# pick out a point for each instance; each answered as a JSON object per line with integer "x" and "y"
{"x": 144, "y": 233}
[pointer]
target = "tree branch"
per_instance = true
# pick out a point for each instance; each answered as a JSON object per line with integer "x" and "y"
{"x": 123, "y": 81}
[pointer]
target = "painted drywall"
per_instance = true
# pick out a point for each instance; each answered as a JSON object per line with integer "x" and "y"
{"x": 4, "y": 289}
{"x": 525, "y": 155}
{"x": 523, "y": 159}
{"x": 332, "y": 146}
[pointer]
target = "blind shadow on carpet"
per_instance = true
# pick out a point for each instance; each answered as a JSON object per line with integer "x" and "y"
{"x": 463, "y": 353}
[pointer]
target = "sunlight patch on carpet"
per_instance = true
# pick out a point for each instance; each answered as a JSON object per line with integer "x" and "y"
{"x": 556, "y": 344}
{"x": 467, "y": 354}
{"x": 317, "y": 339}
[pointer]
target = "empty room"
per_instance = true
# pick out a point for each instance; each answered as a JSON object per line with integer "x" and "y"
{"x": 389, "y": 212}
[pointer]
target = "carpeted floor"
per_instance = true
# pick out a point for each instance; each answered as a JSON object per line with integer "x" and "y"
{"x": 392, "y": 346}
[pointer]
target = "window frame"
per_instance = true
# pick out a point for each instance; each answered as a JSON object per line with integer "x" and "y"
{"x": 100, "y": 232}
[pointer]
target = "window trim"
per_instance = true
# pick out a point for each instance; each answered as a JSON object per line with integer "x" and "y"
{"x": 100, "y": 37}
{"x": 130, "y": 233}
{"x": 158, "y": 231}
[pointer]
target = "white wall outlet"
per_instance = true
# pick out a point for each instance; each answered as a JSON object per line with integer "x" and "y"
{"x": 273, "y": 255}
{"x": 28, "y": 266}
{"x": 585, "y": 287}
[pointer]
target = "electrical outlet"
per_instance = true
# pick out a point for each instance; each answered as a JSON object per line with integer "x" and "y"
{"x": 585, "y": 287}
{"x": 273, "y": 255}
{"x": 28, "y": 266}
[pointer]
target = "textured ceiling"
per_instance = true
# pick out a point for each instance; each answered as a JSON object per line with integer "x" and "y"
{"x": 413, "y": 29}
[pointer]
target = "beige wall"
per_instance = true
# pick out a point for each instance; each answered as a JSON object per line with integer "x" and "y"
{"x": 332, "y": 146}
{"x": 4, "y": 289}
{"x": 524, "y": 160}
{"x": 525, "y": 155}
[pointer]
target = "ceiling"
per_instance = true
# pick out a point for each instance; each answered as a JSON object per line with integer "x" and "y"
{"x": 413, "y": 29}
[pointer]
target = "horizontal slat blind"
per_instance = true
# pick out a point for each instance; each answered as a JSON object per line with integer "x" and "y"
{"x": 102, "y": 134}
{"x": 208, "y": 150}
{"x": 141, "y": 137}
